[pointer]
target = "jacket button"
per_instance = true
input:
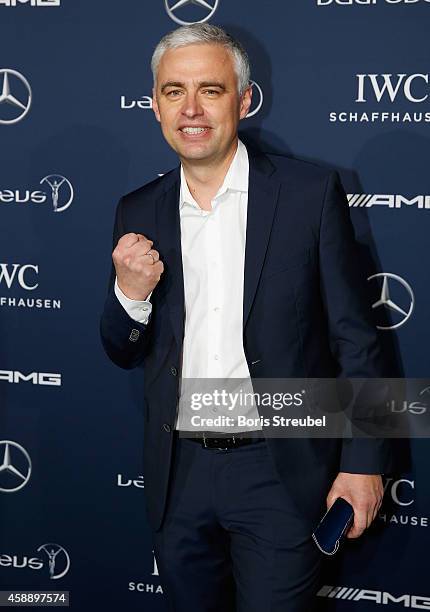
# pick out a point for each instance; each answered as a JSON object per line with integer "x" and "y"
{"x": 166, "y": 427}
{"x": 173, "y": 371}
{"x": 134, "y": 335}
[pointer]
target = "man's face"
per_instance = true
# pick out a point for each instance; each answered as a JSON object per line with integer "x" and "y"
{"x": 197, "y": 88}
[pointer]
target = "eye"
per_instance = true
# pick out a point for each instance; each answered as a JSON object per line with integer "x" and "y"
{"x": 174, "y": 93}
{"x": 211, "y": 92}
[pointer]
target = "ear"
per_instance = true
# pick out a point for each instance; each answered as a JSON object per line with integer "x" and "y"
{"x": 245, "y": 102}
{"x": 155, "y": 105}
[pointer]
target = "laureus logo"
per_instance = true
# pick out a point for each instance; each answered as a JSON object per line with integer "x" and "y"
{"x": 58, "y": 560}
{"x": 59, "y": 192}
{"x": 62, "y": 193}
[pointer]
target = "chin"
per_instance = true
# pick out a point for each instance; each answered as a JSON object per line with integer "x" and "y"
{"x": 193, "y": 152}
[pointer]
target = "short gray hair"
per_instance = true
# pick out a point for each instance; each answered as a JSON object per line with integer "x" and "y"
{"x": 201, "y": 33}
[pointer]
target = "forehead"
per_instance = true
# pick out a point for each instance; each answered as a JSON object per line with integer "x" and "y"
{"x": 196, "y": 61}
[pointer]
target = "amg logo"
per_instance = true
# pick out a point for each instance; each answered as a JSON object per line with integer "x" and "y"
{"x": 378, "y": 597}
{"x": 30, "y": 2}
{"x": 364, "y": 200}
{"x": 37, "y": 378}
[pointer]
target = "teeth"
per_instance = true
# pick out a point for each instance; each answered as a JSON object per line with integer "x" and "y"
{"x": 193, "y": 130}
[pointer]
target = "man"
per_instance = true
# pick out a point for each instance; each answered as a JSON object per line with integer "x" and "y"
{"x": 237, "y": 264}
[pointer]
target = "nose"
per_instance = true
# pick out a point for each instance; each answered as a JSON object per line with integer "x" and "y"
{"x": 192, "y": 107}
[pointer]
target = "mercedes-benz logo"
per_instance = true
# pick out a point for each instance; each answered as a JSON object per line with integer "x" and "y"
{"x": 172, "y": 7}
{"x": 16, "y": 462}
{"x": 257, "y": 95}
{"x": 425, "y": 391}
{"x": 56, "y": 181}
{"x": 20, "y": 101}
{"x": 52, "y": 551}
{"x": 386, "y": 301}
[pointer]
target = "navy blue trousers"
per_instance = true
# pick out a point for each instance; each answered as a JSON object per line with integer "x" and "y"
{"x": 232, "y": 539}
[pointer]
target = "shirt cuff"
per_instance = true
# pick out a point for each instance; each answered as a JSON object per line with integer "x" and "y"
{"x": 138, "y": 310}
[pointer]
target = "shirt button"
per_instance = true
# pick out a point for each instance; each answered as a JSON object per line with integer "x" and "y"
{"x": 216, "y": 357}
{"x": 145, "y": 308}
{"x": 173, "y": 371}
{"x": 216, "y": 309}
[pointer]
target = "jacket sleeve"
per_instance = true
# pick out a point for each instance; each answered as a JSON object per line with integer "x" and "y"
{"x": 353, "y": 334}
{"x": 124, "y": 340}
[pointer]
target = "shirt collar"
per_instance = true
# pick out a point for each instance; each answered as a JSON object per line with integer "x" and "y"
{"x": 236, "y": 178}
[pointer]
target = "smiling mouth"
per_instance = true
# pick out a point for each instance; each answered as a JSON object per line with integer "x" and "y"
{"x": 194, "y": 130}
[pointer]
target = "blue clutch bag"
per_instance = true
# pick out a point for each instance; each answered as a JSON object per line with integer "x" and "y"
{"x": 333, "y": 525}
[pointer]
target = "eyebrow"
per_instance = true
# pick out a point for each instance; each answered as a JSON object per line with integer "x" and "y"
{"x": 201, "y": 84}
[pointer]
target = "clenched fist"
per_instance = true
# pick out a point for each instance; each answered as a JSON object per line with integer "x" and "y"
{"x": 138, "y": 266}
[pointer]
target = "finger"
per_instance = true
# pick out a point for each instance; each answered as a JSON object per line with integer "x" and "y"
{"x": 139, "y": 248}
{"x": 354, "y": 532}
{"x": 153, "y": 254}
{"x": 330, "y": 500}
{"x": 128, "y": 240}
{"x": 131, "y": 240}
{"x": 159, "y": 268}
{"x": 143, "y": 238}
{"x": 375, "y": 511}
{"x": 359, "y": 524}
{"x": 374, "y": 507}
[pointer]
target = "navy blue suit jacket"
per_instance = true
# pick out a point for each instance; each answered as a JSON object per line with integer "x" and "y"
{"x": 306, "y": 313}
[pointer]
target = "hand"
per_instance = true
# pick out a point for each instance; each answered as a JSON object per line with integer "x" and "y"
{"x": 364, "y": 492}
{"x": 138, "y": 266}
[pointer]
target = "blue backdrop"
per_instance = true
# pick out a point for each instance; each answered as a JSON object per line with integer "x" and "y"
{"x": 343, "y": 83}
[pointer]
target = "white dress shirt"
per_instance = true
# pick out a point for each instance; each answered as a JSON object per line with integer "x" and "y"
{"x": 213, "y": 256}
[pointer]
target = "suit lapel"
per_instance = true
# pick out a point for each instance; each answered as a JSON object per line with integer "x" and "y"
{"x": 169, "y": 245}
{"x": 262, "y": 199}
